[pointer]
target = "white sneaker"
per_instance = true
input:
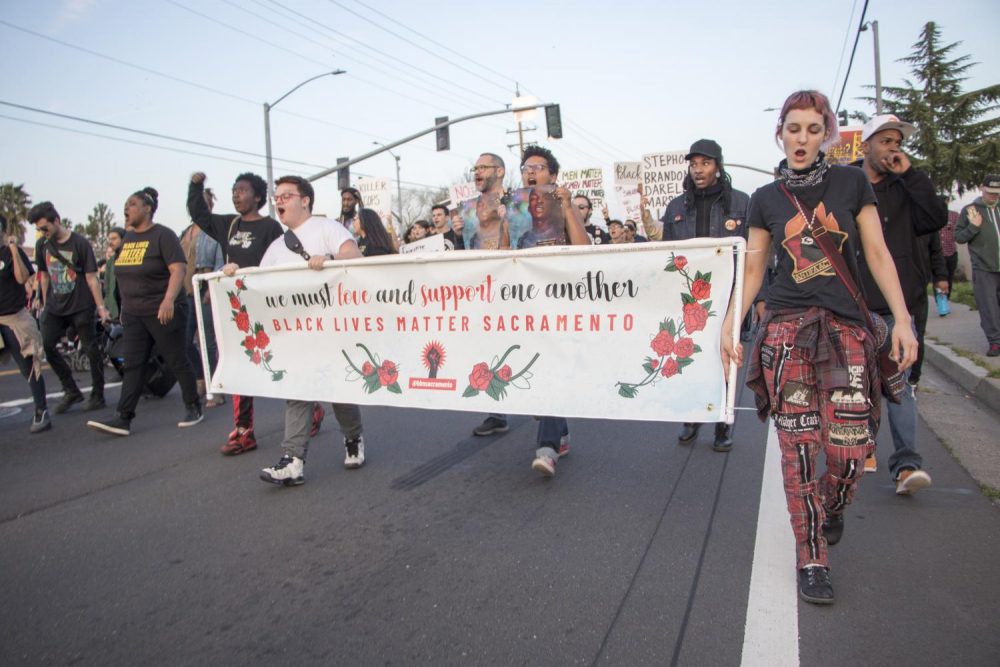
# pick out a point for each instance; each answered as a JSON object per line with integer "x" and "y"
{"x": 911, "y": 481}
{"x": 287, "y": 471}
{"x": 545, "y": 461}
{"x": 354, "y": 456}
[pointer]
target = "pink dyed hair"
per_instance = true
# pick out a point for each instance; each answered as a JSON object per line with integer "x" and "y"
{"x": 811, "y": 99}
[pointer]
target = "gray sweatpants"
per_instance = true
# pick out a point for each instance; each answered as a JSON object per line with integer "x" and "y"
{"x": 298, "y": 421}
{"x": 986, "y": 289}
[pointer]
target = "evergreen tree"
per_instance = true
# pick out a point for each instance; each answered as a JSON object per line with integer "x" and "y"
{"x": 958, "y": 133}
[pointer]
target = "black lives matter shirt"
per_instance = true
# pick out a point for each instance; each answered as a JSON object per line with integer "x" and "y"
{"x": 804, "y": 276}
{"x": 142, "y": 269}
{"x": 243, "y": 242}
{"x": 12, "y": 295}
{"x": 68, "y": 291}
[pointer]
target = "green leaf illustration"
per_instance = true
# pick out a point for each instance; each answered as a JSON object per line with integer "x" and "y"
{"x": 470, "y": 392}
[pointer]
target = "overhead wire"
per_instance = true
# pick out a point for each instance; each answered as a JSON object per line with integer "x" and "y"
{"x": 843, "y": 47}
{"x": 850, "y": 63}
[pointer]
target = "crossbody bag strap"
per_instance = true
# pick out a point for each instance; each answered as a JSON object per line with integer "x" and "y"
{"x": 821, "y": 236}
{"x": 58, "y": 255}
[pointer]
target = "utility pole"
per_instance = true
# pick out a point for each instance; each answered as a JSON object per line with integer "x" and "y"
{"x": 878, "y": 67}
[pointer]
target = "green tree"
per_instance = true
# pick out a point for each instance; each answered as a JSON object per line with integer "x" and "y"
{"x": 14, "y": 205}
{"x": 958, "y": 132}
{"x": 99, "y": 223}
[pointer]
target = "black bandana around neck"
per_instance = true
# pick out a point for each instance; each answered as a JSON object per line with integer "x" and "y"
{"x": 805, "y": 178}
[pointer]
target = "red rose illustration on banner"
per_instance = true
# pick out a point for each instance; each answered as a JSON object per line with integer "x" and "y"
{"x": 695, "y": 317}
{"x": 674, "y": 351}
{"x": 684, "y": 348}
{"x": 374, "y": 373}
{"x": 701, "y": 289}
{"x": 256, "y": 342}
{"x": 670, "y": 368}
{"x": 494, "y": 379}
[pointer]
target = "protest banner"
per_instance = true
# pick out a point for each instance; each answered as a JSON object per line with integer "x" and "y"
{"x": 662, "y": 177}
{"x": 537, "y": 331}
{"x": 376, "y": 195}
{"x": 627, "y": 192}
{"x": 433, "y": 243}
{"x": 848, "y": 150}
{"x": 588, "y": 182}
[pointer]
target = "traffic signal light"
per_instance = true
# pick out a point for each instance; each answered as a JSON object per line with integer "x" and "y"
{"x": 443, "y": 140}
{"x": 842, "y": 115}
{"x": 553, "y": 121}
{"x": 343, "y": 175}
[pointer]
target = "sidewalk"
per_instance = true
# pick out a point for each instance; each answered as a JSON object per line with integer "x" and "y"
{"x": 956, "y": 346}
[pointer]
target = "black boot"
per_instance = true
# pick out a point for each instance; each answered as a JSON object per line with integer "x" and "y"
{"x": 723, "y": 437}
{"x": 833, "y": 528}
{"x": 688, "y": 433}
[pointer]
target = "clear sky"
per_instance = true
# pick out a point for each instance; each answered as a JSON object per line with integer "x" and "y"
{"x": 631, "y": 78}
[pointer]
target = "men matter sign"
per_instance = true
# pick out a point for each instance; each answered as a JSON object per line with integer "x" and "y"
{"x": 588, "y": 182}
{"x": 620, "y": 332}
{"x": 662, "y": 177}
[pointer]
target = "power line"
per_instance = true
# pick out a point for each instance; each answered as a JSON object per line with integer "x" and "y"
{"x": 843, "y": 47}
{"x": 851, "y": 62}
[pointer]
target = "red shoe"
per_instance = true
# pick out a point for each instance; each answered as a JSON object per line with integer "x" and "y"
{"x": 318, "y": 414}
{"x": 240, "y": 440}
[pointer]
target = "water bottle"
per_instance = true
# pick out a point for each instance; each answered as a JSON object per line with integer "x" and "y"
{"x": 941, "y": 299}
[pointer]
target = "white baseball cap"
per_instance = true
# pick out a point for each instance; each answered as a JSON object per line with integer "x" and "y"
{"x": 886, "y": 122}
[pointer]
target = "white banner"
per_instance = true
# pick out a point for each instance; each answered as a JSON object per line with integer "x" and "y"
{"x": 627, "y": 192}
{"x": 619, "y": 332}
{"x": 662, "y": 177}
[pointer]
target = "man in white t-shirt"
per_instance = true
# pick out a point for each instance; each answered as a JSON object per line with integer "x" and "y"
{"x": 316, "y": 240}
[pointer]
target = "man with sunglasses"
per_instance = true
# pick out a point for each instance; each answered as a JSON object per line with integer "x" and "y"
{"x": 313, "y": 240}
{"x": 582, "y": 204}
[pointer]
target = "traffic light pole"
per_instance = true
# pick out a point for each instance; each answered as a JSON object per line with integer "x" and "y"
{"x": 404, "y": 140}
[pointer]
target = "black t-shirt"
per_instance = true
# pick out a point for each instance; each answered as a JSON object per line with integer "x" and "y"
{"x": 12, "y": 295}
{"x": 804, "y": 276}
{"x": 243, "y": 242}
{"x": 68, "y": 291}
{"x": 141, "y": 269}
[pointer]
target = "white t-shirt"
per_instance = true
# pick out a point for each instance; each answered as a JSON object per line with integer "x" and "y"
{"x": 319, "y": 236}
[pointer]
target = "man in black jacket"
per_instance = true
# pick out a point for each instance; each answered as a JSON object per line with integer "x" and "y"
{"x": 909, "y": 208}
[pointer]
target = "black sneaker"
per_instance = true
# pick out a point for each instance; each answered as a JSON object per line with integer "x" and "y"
{"x": 815, "y": 586}
{"x": 490, "y": 426}
{"x": 723, "y": 438}
{"x": 193, "y": 415}
{"x": 95, "y": 402}
{"x": 115, "y": 426}
{"x": 69, "y": 399}
{"x": 833, "y": 528}
{"x": 41, "y": 421}
{"x": 354, "y": 452}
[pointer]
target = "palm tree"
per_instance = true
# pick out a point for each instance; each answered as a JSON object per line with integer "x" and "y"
{"x": 14, "y": 205}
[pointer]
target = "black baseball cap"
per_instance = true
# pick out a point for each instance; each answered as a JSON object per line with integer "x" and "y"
{"x": 705, "y": 147}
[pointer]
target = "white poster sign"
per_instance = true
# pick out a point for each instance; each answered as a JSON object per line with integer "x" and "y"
{"x": 619, "y": 332}
{"x": 377, "y": 196}
{"x": 627, "y": 191}
{"x": 462, "y": 192}
{"x": 662, "y": 177}
{"x": 430, "y": 244}
{"x": 588, "y": 182}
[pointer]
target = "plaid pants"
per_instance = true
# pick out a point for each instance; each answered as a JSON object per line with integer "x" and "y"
{"x": 809, "y": 420}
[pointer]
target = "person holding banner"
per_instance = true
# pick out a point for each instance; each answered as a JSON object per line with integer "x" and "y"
{"x": 313, "y": 240}
{"x": 709, "y": 207}
{"x": 150, "y": 271}
{"x": 813, "y": 367}
{"x": 244, "y": 238}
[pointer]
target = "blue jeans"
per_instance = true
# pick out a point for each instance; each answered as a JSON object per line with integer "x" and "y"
{"x": 189, "y": 335}
{"x": 551, "y": 430}
{"x": 903, "y": 425}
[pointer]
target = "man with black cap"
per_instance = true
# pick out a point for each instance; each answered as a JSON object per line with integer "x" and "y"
{"x": 909, "y": 209}
{"x": 979, "y": 226}
{"x": 709, "y": 207}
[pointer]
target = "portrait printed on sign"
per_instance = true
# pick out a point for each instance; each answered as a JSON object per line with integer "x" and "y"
{"x": 544, "y": 223}
{"x": 485, "y": 224}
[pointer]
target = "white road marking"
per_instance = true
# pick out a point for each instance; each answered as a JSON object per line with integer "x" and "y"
{"x": 771, "y": 635}
{"x": 57, "y": 394}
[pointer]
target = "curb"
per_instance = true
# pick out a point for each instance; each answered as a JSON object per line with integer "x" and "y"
{"x": 966, "y": 374}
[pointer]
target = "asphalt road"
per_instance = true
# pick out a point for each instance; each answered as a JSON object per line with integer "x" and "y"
{"x": 445, "y": 549}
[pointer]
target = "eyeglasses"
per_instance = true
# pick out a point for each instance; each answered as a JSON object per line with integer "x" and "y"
{"x": 630, "y": 228}
{"x": 282, "y": 198}
{"x": 482, "y": 167}
{"x": 582, "y": 207}
{"x": 532, "y": 168}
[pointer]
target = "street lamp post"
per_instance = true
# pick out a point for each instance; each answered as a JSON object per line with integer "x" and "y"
{"x": 399, "y": 187}
{"x": 878, "y": 67}
{"x": 267, "y": 135}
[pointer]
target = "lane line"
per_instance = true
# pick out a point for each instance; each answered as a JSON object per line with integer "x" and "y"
{"x": 56, "y": 394}
{"x": 771, "y": 635}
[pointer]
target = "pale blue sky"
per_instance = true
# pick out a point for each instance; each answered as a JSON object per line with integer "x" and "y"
{"x": 631, "y": 79}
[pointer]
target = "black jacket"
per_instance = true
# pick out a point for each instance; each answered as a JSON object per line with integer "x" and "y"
{"x": 909, "y": 208}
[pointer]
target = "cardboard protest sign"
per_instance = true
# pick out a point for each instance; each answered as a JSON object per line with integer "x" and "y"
{"x": 462, "y": 192}
{"x": 627, "y": 192}
{"x": 662, "y": 177}
{"x": 588, "y": 182}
